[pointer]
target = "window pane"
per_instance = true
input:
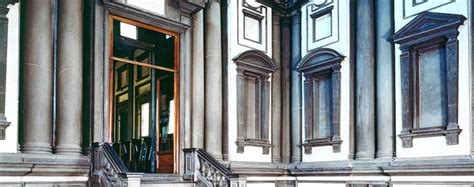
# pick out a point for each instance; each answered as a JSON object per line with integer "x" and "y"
{"x": 143, "y": 45}
{"x": 167, "y": 111}
{"x": 145, "y": 119}
{"x": 432, "y": 88}
{"x": 128, "y": 30}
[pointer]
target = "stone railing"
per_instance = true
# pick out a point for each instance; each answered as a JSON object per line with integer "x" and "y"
{"x": 205, "y": 170}
{"x": 109, "y": 170}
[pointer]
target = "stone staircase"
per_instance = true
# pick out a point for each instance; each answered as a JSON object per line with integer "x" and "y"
{"x": 165, "y": 180}
{"x": 201, "y": 169}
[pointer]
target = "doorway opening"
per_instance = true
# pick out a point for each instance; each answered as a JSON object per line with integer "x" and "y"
{"x": 144, "y": 95}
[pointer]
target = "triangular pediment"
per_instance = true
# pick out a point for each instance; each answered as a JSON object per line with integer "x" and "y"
{"x": 428, "y": 22}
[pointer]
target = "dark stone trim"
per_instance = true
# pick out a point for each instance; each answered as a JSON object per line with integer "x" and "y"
{"x": 428, "y": 30}
{"x": 310, "y": 143}
{"x": 256, "y": 65}
{"x": 257, "y": 17}
{"x": 316, "y": 15}
{"x": 3, "y": 127}
{"x": 225, "y": 81}
{"x": 322, "y": 12}
{"x": 414, "y": 3}
{"x": 7, "y": 2}
{"x": 189, "y": 7}
{"x": 265, "y": 144}
{"x": 284, "y": 8}
{"x": 326, "y": 64}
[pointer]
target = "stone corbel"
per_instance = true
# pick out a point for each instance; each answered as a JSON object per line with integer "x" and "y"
{"x": 3, "y": 126}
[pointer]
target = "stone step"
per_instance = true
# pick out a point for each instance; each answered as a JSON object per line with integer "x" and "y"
{"x": 161, "y": 180}
{"x": 169, "y": 185}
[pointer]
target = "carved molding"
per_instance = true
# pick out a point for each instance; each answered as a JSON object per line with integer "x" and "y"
{"x": 189, "y": 7}
{"x": 326, "y": 13}
{"x": 284, "y": 8}
{"x": 205, "y": 170}
{"x": 318, "y": 65}
{"x": 257, "y": 17}
{"x": 254, "y": 70}
{"x": 109, "y": 170}
{"x": 428, "y": 32}
{"x": 413, "y": 7}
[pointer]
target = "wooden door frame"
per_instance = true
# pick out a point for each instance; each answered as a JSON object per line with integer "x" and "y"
{"x": 176, "y": 71}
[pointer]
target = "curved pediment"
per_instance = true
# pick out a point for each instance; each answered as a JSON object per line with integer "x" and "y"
{"x": 318, "y": 59}
{"x": 255, "y": 59}
{"x": 426, "y": 24}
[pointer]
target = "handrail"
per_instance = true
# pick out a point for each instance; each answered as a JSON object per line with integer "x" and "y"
{"x": 112, "y": 155}
{"x": 109, "y": 169}
{"x": 209, "y": 158}
{"x": 203, "y": 168}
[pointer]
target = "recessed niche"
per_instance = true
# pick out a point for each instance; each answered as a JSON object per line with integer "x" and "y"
{"x": 322, "y": 27}
{"x": 252, "y": 29}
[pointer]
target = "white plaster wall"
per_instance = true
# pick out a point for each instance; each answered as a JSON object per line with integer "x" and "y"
{"x": 252, "y": 154}
{"x": 10, "y": 144}
{"x": 436, "y": 146}
{"x": 326, "y": 153}
{"x": 155, "y": 6}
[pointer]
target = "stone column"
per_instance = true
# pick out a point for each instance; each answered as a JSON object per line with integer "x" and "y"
{"x": 285, "y": 85}
{"x": 3, "y": 63}
{"x": 37, "y": 76}
{"x": 198, "y": 80}
{"x": 276, "y": 91}
{"x": 384, "y": 79}
{"x": 296, "y": 89}
{"x": 213, "y": 79}
{"x": 69, "y": 78}
{"x": 365, "y": 80}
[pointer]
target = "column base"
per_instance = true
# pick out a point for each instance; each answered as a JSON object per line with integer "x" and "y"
{"x": 364, "y": 156}
{"x": 295, "y": 159}
{"x": 384, "y": 156}
{"x": 68, "y": 149}
{"x": 36, "y": 148}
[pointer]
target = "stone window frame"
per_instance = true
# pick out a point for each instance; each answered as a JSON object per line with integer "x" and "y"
{"x": 256, "y": 65}
{"x": 321, "y": 63}
{"x": 429, "y": 31}
{"x": 314, "y": 16}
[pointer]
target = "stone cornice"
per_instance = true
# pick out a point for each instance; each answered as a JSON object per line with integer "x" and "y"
{"x": 189, "y": 7}
{"x": 284, "y": 8}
